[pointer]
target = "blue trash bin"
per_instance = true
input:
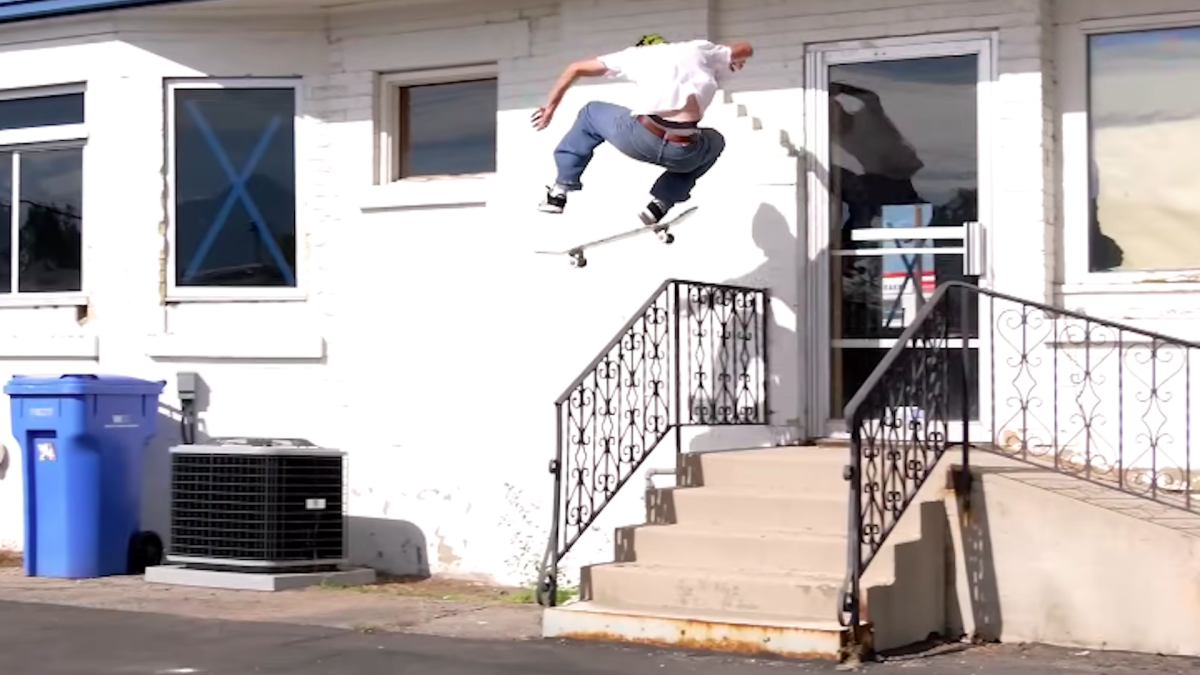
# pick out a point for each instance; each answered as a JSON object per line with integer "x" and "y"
{"x": 81, "y": 438}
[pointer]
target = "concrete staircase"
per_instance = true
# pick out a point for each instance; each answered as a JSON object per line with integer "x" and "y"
{"x": 748, "y": 555}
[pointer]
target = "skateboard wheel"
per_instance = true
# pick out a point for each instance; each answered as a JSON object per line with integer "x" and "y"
{"x": 583, "y": 262}
{"x": 668, "y": 238}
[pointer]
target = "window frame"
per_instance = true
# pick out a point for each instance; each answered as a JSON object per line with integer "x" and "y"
{"x": 34, "y": 139}
{"x": 179, "y": 294}
{"x": 1076, "y": 154}
{"x": 389, "y": 134}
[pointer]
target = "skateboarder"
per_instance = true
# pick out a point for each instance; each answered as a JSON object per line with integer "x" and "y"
{"x": 676, "y": 82}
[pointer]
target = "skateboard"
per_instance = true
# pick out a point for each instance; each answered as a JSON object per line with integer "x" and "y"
{"x": 662, "y": 230}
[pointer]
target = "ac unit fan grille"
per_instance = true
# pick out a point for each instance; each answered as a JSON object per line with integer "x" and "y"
{"x": 270, "y": 508}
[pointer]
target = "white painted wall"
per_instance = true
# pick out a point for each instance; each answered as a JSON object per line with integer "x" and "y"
{"x": 432, "y": 342}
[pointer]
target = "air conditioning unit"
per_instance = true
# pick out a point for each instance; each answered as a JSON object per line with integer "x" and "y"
{"x": 256, "y": 504}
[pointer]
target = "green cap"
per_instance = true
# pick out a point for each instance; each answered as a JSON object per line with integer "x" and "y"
{"x": 651, "y": 39}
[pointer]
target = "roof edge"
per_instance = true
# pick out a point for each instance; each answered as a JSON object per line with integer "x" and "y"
{"x": 27, "y": 10}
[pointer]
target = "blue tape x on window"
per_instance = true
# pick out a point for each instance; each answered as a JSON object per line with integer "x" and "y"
{"x": 238, "y": 192}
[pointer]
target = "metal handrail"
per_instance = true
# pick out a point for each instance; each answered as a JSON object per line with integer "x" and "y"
{"x": 655, "y": 334}
{"x": 918, "y": 365}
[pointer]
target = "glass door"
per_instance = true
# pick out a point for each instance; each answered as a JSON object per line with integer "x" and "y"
{"x": 898, "y": 200}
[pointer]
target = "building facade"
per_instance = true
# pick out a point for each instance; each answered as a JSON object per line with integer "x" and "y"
{"x": 329, "y": 214}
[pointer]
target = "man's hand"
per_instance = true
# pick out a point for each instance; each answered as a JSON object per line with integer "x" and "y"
{"x": 588, "y": 68}
{"x": 543, "y": 116}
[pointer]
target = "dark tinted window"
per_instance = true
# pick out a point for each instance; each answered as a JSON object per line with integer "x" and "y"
{"x": 41, "y": 111}
{"x": 6, "y": 201}
{"x": 235, "y": 187}
{"x": 448, "y": 129}
{"x": 50, "y": 240}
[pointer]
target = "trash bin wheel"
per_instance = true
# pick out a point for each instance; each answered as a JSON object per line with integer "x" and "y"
{"x": 145, "y": 550}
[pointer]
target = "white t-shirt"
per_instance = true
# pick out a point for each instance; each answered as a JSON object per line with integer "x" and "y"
{"x": 668, "y": 74}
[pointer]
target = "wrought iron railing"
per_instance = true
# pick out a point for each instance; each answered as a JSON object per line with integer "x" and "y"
{"x": 1097, "y": 399}
{"x": 694, "y": 355}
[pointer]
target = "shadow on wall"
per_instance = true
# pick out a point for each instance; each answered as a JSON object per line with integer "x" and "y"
{"x": 391, "y": 546}
{"x": 6, "y": 461}
{"x": 978, "y": 568}
{"x": 774, "y": 238}
{"x": 156, "y": 467}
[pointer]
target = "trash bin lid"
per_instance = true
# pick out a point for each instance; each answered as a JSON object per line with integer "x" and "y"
{"x": 72, "y": 384}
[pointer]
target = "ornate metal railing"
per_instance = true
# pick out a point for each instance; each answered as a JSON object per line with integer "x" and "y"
{"x": 694, "y": 355}
{"x": 1097, "y": 399}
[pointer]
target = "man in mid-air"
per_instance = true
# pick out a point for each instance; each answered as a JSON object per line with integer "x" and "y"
{"x": 676, "y": 82}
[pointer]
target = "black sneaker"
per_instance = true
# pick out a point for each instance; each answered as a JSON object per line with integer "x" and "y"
{"x": 654, "y": 212}
{"x": 556, "y": 200}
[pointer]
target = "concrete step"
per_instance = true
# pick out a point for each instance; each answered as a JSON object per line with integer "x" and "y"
{"x": 710, "y": 548}
{"x": 798, "y": 596}
{"x": 708, "y": 631}
{"x": 812, "y": 471}
{"x": 749, "y": 510}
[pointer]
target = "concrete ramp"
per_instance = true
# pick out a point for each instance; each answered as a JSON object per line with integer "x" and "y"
{"x": 1051, "y": 558}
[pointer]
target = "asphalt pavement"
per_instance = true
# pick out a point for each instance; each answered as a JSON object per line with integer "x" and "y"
{"x": 49, "y": 639}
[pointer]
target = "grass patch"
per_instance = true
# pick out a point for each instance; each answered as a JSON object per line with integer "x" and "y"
{"x": 455, "y": 590}
{"x": 10, "y": 558}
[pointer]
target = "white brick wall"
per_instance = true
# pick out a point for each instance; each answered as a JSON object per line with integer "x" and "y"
{"x": 445, "y": 340}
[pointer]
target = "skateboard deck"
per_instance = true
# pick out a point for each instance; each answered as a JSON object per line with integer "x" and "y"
{"x": 661, "y": 229}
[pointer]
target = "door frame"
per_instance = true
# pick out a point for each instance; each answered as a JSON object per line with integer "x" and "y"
{"x": 822, "y": 420}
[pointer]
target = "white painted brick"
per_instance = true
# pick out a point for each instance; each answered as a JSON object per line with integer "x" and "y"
{"x": 400, "y": 297}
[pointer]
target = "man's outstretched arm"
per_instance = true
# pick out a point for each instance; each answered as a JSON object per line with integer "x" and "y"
{"x": 586, "y": 68}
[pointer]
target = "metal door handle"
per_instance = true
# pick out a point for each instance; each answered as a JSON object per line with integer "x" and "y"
{"x": 973, "y": 249}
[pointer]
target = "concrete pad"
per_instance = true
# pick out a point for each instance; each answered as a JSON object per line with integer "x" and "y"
{"x": 181, "y": 575}
{"x": 715, "y": 631}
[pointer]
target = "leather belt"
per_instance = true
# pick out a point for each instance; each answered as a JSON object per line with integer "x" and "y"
{"x": 663, "y": 133}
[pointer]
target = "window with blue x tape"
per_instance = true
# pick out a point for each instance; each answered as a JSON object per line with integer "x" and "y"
{"x": 235, "y": 187}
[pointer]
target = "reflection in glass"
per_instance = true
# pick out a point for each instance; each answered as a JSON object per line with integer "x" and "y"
{"x": 903, "y": 154}
{"x": 41, "y": 111}
{"x": 50, "y": 242}
{"x": 1144, "y": 114}
{"x": 235, "y": 187}
{"x": 448, "y": 129}
{"x": 6, "y": 201}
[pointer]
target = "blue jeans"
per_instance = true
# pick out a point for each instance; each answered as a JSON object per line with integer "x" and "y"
{"x": 599, "y": 122}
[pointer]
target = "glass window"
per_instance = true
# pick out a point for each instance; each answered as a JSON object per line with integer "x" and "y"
{"x": 447, "y": 129}
{"x": 41, "y": 196}
{"x": 41, "y": 111}
{"x": 6, "y": 202}
{"x": 235, "y": 187}
{"x": 1144, "y": 114}
{"x": 50, "y": 230}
